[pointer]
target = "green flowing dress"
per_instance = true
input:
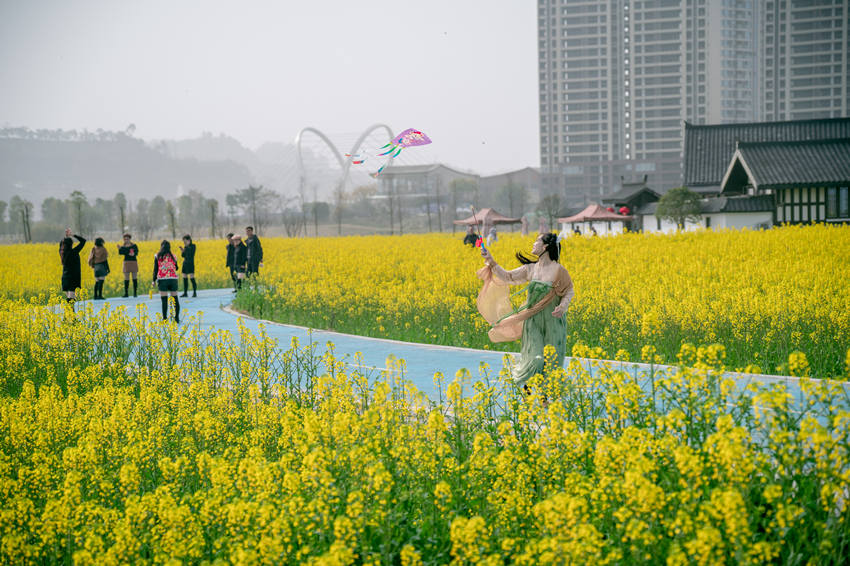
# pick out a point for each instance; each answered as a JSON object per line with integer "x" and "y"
{"x": 538, "y": 331}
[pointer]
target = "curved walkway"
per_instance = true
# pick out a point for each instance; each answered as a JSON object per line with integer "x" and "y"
{"x": 422, "y": 360}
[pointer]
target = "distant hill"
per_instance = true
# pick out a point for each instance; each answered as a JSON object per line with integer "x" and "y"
{"x": 37, "y": 168}
{"x": 38, "y": 164}
{"x": 273, "y": 164}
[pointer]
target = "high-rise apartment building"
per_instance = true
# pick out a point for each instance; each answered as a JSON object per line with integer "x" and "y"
{"x": 618, "y": 78}
{"x": 805, "y": 55}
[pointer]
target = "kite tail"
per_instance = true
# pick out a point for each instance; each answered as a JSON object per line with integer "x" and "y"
{"x": 389, "y": 151}
{"x": 397, "y": 151}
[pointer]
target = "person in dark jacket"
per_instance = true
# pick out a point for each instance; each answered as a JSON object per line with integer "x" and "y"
{"x": 130, "y": 251}
{"x": 187, "y": 250}
{"x": 70, "y": 256}
{"x": 254, "y": 251}
{"x": 229, "y": 261}
{"x": 165, "y": 277}
{"x": 471, "y": 237}
{"x": 99, "y": 262}
{"x": 240, "y": 260}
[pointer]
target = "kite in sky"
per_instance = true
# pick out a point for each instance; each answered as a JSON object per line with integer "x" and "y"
{"x": 408, "y": 138}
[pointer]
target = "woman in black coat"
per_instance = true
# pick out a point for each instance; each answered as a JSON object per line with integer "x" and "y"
{"x": 187, "y": 250}
{"x": 70, "y": 256}
{"x": 240, "y": 260}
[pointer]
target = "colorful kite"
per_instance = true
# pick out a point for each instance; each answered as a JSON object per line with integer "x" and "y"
{"x": 408, "y": 138}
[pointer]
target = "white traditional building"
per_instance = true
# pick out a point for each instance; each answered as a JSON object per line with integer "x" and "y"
{"x": 752, "y": 212}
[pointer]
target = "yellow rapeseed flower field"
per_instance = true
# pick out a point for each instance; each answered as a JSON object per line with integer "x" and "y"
{"x": 764, "y": 295}
{"x": 125, "y": 439}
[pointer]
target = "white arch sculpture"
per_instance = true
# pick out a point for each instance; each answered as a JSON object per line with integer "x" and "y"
{"x": 344, "y": 164}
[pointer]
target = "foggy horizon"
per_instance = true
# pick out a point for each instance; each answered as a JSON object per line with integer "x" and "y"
{"x": 464, "y": 73}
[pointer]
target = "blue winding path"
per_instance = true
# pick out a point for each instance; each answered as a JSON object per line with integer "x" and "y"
{"x": 422, "y": 360}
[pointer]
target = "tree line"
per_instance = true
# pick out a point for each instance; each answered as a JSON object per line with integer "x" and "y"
{"x": 393, "y": 211}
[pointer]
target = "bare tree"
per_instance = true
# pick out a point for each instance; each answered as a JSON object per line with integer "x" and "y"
{"x": 438, "y": 182}
{"x": 142, "y": 221}
{"x": 550, "y": 206}
{"x": 21, "y": 210}
{"x": 78, "y": 204}
{"x": 513, "y": 197}
{"x": 172, "y": 219}
{"x": 340, "y": 198}
{"x": 121, "y": 208}
{"x": 292, "y": 216}
{"x": 462, "y": 191}
{"x": 316, "y": 209}
{"x": 212, "y": 207}
{"x": 255, "y": 202}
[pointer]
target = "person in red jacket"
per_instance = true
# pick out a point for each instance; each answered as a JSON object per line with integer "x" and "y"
{"x": 165, "y": 275}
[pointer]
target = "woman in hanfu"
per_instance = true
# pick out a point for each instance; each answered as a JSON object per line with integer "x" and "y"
{"x": 540, "y": 321}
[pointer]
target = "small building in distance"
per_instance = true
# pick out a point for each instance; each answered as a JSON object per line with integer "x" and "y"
{"x": 632, "y": 195}
{"x": 594, "y": 220}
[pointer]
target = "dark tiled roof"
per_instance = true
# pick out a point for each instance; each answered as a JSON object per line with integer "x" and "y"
{"x": 708, "y": 149}
{"x": 756, "y": 203}
{"x": 781, "y": 164}
{"x": 628, "y": 191}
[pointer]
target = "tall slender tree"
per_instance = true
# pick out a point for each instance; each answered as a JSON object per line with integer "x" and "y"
{"x": 212, "y": 207}
{"x": 20, "y": 212}
{"x": 121, "y": 209}
{"x": 78, "y": 204}
{"x": 172, "y": 219}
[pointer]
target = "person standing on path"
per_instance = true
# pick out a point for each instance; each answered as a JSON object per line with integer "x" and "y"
{"x": 540, "y": 322}
{"x": 98, "y": 261}
{"x": 229, "y": 261}
{"x": 187, "y": 250}
{"x": 240, "y": 259}
{"x": 130, "y": 251}
{"x": 70, "y": 256}
{"x": 254, "y": 252}
{"x": 165, "y": 276}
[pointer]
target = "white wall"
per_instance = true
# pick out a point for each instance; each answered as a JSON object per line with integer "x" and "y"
{"x": 736, "y": 220}
{"x": 617, "y": 227}
{"x": 746, "y": 219}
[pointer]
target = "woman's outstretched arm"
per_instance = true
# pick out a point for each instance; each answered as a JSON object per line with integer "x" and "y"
{"x": 514, "y": 276}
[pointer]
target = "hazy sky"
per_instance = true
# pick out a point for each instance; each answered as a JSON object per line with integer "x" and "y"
{"x": 462, "y": 71}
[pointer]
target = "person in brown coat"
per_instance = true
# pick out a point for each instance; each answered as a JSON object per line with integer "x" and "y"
{"x": 98, "y": 261}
